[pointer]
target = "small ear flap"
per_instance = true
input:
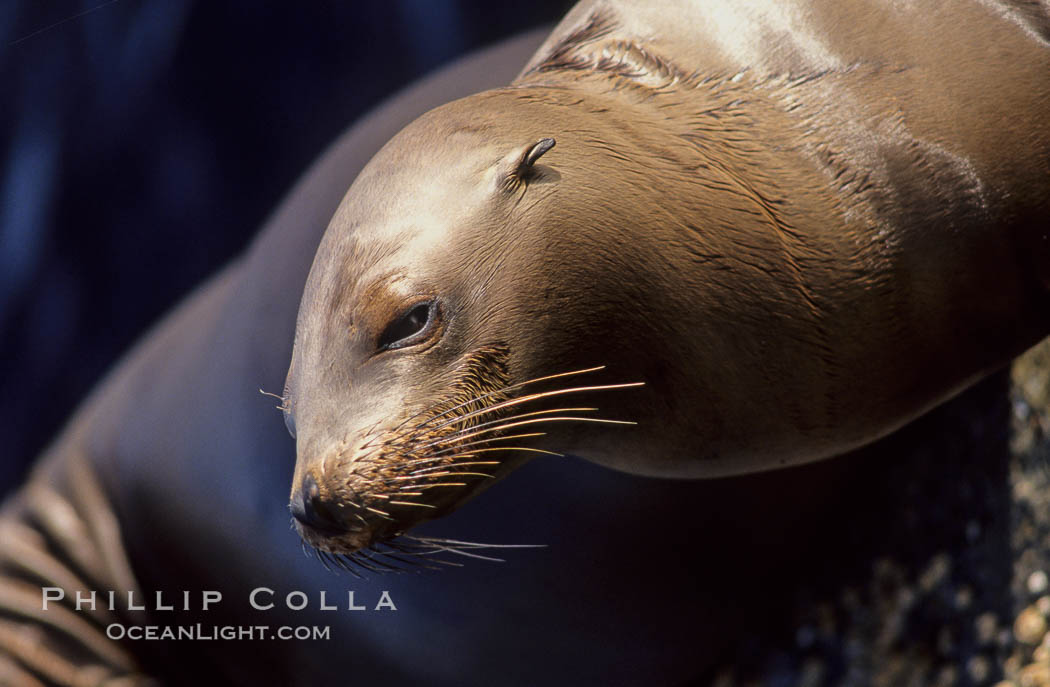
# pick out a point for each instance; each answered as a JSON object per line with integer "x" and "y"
{"x": 519, "y": 164}
{"x": 536, "y": 152}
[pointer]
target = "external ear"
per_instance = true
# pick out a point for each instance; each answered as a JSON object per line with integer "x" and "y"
{"x": 516, "y": 168}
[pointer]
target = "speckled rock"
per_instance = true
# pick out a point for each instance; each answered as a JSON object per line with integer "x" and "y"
{"x": 1030, "y": 626}
{"x": 931, "y": 569}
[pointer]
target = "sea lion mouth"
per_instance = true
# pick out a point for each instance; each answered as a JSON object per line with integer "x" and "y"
{"x": 430, "y": 463}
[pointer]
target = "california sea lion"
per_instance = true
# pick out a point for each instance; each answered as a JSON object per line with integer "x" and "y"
{"x": 800, "y": 225}
{"x": 173, "y": 476}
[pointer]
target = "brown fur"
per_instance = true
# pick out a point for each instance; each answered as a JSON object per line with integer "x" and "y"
{"x": 796, "y": 251}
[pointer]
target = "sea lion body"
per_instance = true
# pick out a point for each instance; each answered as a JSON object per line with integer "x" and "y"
{"x": 172, "y": 478}
{"x": 879, "y": 240}
{"x": 190, "y": 460}
{"x": 799, "y": 225}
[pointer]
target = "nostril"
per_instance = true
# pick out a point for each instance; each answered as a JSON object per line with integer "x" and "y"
{"x": 308, "y": 508}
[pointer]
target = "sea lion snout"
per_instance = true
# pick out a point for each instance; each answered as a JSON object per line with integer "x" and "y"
{"x": 331, "y": 522}
{"x": 309, "y": 509}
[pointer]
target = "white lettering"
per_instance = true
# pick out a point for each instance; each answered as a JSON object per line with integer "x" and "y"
{"x": 258, "y": 590}
{"x": 90, "y": 601}
{"x": 160, "y": 603}
{"x": 299, "y": 595}
{"x": 51, "y": 594}
{"x": 210, "y": 597}
{"x": 386, "y": 602}
{"x": 133, "y": 607}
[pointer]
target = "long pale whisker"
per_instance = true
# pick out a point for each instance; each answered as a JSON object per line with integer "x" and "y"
{"x": 383, "y": 567}
{"x": 398, "y": 546}
{"x": 415, "y": 477}
{"x": 459, "y": 552}
{"x": 437, "y": 549}
{"x": 448, "y": 473}
{"x": 283, "y": 406}
{"x": 434, "y": 459}
{"x": 346, "y": 561}
{"x": 438, "y": 484}
{"x": 512, "y": 448}
{"x": 427, "y": 548}
{"x": 489, "y": 423}
{"x": 535, "y": 397}
{"x": 457, "y": 547}
{"x": 409, "y": 476}
{"x": 416, "y": 561}
{"x": 458, "y": 464}
{"x": 489, "y": 394}
{"x": 454, "y": 462}
{"x": 509, "y": 425}
{"x": 471, "y": 544}
{"x": 462, "y": 432}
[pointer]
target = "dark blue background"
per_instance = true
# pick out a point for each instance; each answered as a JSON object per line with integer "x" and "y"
{"x": 144, "y": 142}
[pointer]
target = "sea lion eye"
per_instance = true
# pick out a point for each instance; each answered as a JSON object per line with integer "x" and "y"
{"x": 410, "y": 327}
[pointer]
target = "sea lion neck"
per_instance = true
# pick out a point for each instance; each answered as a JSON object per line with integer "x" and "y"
{"x": 596, "y": 55}
{"x": 739, "y": 234}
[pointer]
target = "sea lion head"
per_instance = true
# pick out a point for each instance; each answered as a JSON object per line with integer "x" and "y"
{"x": 471, "y": 305}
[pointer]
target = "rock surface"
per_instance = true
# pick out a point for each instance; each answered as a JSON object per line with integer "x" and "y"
{"x": 932, "y": 568}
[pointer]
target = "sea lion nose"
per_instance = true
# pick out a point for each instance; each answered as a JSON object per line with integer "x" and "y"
{"x": 308, "y": 508}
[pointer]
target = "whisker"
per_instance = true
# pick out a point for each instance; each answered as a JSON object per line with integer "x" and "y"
{"x": 487, "y": 423}
{"x": 370, "y": 432}
{"x": 447, "y": 546}
{"x": 417, "y": 461}
{"x": 424, "y": 560}
{"x": 445, "y": 469}
{"x": 448, "y": 461}
{"x": 438, "y": 484}
{"x": 409, "y": 503}
{"x": 347, "y": 563}
{"x": 411, "y": 562}
{"x": 282, "y": 405}
{"x": 471, "y": 544}
{"x": 324, "y": 562}
{"x": 534, "y": 397}
{"x": 355, "y": 559}
{"x": 455, "y": 463}
{"x": 467, "y": 554}
{"x": 398, "y": 544}
{"x": 447, "y": 473}
{"x": 532, "y": 413}
{"x": 499, "y": 427}
{"x": 337, "y": 560}
{"x": 469, "y": 428}
{"x": 495, "y": 392}
{"x": 511, "y": 448}
{"x": 382, "y": 567}
{"x": 437, "y": 546}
